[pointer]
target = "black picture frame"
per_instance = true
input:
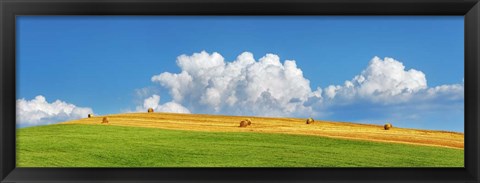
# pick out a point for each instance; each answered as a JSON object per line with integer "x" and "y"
{"x": 9, "y": 9}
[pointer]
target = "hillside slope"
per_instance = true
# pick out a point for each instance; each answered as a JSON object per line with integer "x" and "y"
{"x": 217, "y": 123}
{"x": 69, "y": 145}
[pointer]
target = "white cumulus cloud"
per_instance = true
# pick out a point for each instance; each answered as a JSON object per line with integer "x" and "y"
{"x": 388, "y": 82}
{"x": 385, "y": 90}
{"x": 154, "y": 103}
{"x": 267, "y": 87}
{"x": 39, "y": 111}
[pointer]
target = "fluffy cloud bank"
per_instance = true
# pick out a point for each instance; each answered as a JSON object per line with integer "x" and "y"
{"x": 381, "y": 81}
{"x": 268, "y": 87}
{"x": 386, "y": 91}
{"x": 39, "y": 112}
{"x": 154, "y": 103}
{"x": 387, "y": 82}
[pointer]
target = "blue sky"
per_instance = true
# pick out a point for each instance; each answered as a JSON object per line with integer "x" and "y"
{"x": 100, "y": 62}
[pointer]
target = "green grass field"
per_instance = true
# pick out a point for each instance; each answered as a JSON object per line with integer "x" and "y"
{"x": 115, "y": 146}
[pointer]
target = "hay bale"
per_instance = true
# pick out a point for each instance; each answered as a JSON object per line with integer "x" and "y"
{"x": 249, "y": 122}
{"x": 243, "y": 124}
{"x": 104, "y": 120}
{"x": 387, "y": 126}
{"x": 150, "y": 110}
{"x": 90, "y": 115}
{"x": 310, "y": 121}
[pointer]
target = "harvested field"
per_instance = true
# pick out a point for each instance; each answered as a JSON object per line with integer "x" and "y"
{"x": 344, "y": 130}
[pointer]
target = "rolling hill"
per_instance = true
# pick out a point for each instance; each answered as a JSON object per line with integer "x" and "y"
{"x": 193, "y": 140}
{"x": 218, "y": 123}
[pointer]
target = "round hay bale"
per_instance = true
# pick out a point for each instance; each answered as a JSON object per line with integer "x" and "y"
{"x": 249, "y": 122}
{"x": 387, "y": 126}
{"x": 310, "y": 121}
{"x": 105, "y": 120}
{"x": 90, "y": 115}
{"x": 243, "y": 124}
{"x": 150, "y": 110}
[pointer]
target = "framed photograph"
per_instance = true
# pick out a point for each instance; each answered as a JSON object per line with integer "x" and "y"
{"x": 239, "y": 91}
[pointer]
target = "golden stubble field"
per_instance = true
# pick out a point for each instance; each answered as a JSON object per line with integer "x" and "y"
{"x": 344, "y": 130}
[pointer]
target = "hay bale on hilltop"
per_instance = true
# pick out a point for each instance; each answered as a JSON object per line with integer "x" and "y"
{"x": 387, "y": 126}
{"x": 310, "y": 121}
{"x": 90, "y": 115}
{"x": 249, "y": 122}
{"x": 150, "y": 110}
{"x": 104, "y": 120}
{"x": 243, "y": 123}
